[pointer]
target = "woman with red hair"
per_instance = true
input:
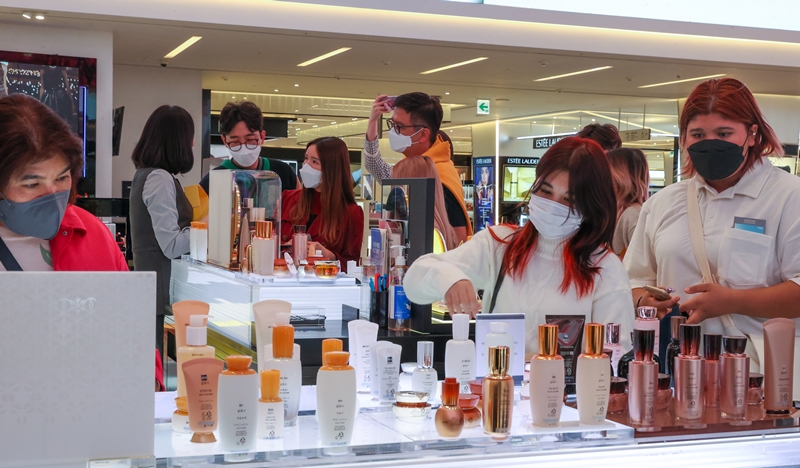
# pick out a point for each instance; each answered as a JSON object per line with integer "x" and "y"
{"x": 557, "y": 264}
{"x": 747, "y": 219}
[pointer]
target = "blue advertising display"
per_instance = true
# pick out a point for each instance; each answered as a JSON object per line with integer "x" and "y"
{"x": 484, "y": 192}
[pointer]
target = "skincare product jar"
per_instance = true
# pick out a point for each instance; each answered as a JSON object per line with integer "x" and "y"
{"x": 664, "y": 394}
{"x": 411, "y": 406}
{"x": 755, "y": 392}
{"x": 326, "y": 269}
{"x": 468, "y": 404}
{"x": 618, "y": 398}
{"x": 476, "y": 388}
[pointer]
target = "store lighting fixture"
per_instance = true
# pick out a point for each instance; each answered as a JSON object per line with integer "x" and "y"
{"x": 27, "y": 14}
{"x": 447, "y": 94}
{"x": 188, "y": 43}
{"x": 276, "y": 90}
{"x": 682, "y": 81}
{"x": 296, "y": 85}
{"x": 333, "y": 123}
{"x": 531, "y": 137}
{"x": 459, "y": 64}
{"x": 323, "y": 57}
{"x": 581, "y": 72}
{"x": 39, "y": 16}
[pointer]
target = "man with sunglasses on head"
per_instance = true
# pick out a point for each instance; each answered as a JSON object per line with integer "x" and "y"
{"x": 242, "y": 127}
{"x": 414, "y": 131}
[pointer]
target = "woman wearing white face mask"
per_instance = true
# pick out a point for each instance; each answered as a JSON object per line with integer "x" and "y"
{"x": 557, "y": 264}
{"x": 325, "y": 205}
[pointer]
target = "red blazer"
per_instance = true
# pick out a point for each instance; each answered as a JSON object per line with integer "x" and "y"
{"x": 350, "y": 246}
{"x": 83, "y": 243}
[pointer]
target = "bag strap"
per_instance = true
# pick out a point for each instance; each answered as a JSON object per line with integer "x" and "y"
{"x": 7, "y": 258}
{"x": 699, "y": 247}
{"x": 497, "y": 284}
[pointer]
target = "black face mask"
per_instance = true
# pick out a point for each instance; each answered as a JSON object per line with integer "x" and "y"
{"x": 716, "y": 159}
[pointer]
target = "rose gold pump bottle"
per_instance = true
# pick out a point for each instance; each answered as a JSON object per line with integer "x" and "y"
{"x": 642, "y": 379}
{"x": 734, "y": 377}
{"x": 498, "y": 395}
{"x": 449, "y": 417}
{"x": 712, "y": 345}
{"x": 689, "y": 375}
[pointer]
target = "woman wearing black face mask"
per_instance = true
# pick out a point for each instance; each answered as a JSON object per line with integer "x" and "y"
{"x": 740, "y": 209}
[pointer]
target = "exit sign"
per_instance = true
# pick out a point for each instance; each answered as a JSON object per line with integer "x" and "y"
{"x": 484, "y": 106}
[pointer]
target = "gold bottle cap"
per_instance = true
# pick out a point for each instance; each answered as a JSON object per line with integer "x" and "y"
{"x": 498, "y": 360}
{"x": 336, "y": 360}
{"x": 329, "y": 345}
{"x": 593, "y": 337}
{"x": 548, "y": 340}
{"x": 264, "y": 229}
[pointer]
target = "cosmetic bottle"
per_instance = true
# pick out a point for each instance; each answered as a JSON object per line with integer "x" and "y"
{"x": 778, "y": 365}
{"x": 613, "y": 344}
{"x": 547, "y": 379}
{"x": 399, "y": 306}
{"x": 238, "y": 405}
{"x": 664, "y": 393}
{"x": 362, "y": 335}
{"x": 202, "y": 385}
{"x": 469, "y": 405}
{"x": 592, "y": 377}
{"x": 627, "y": 358}
{"x": 734, "y": 377}
{"x": 336, "y": 399}
{"x": 647, "y": 319}
{"x": 265, "y": 316}
{"x": 284, "y": 318}
{"x": 755, "y": 392}
{"x": 264, "y": 250}
{"x": 198, "y": 241}
{"x": 499, "y": 336}
{"x": 195, "y": 348}
{"x": 425, "y": 378}
{"x": 180, "y": 418}
{"x": 385, "y": 360}
{"x": 291, "y": 371}
{"x": 498, "y": 394}
{"x": 642, "y": 379}
{"x": 270, "y": 406}
{"x": 449, "y": 417}
{"x": 181, "y": 311}
{"x": 712, "y": 346}
{"x": 299, "y": 244}
{"x": 459, "y": 354}
{"x": 688, "y": 376}
{"x": 618, "y": 398}
{"x": 329, "y": 345}
{"x": 674, "y": 346}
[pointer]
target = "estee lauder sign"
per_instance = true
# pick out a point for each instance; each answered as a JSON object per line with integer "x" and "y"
{"x": 548, "y": 141}
{"x": 521, "y": 161}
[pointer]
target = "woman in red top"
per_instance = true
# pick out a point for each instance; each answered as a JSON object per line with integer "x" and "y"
{"x": 40, "y": 228}
{"x": 325, "y": 204}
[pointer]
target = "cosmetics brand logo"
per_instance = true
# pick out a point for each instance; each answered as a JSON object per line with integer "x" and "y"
{"x": 203, "y": 377}
{"x": 389, "y": 360}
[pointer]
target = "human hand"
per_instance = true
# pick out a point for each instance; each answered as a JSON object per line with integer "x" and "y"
{"x": 645, "y": 299}
{"x": 381, "y": 105}
{"x": 462, "y": 299}
{"x": 712, "y": 300}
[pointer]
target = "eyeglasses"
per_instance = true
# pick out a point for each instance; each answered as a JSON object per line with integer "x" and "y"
{"x": 400, "y": 127}
{"x": 249, "y": 144}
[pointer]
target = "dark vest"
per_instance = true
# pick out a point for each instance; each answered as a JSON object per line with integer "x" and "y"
{"x": 147, "y": 255}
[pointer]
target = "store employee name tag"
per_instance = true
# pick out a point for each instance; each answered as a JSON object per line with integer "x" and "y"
{"x": 750, "y": 224}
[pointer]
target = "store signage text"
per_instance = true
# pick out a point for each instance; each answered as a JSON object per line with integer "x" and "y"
{"x": 522, "y": 161}
{"x": 546, "y": 142}
{"x": 484, "y": 161}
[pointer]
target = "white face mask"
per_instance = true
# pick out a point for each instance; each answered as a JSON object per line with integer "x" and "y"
{"x": 552, "y": 219}
{"x": 311, "y": 177}
{"x": 399, "y": 142}
{"x": 245, "y": 157}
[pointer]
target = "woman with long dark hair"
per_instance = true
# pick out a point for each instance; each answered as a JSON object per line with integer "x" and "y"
{"x": 559, "y": 263}
{"x": 160, "y": 212}
{"x": 326, "y": 205}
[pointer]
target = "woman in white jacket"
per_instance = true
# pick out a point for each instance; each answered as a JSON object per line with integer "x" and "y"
{"x": 557, "y": 264}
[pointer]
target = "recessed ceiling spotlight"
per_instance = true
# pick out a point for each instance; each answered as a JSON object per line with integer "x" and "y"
{"x": 297, "y": 128}
{"x": 233, "y": 97}
{"x": 333, "y": 123}
{"x": 27, "y": 14}
{"x": 315, "y": 126}
{"x": 39, "y": 16}
{"x": 592, "y": 120}
{"x": 276, "y": 90}
{"x": 355, "y": 118}
{"x": 297, "y": 110}
{"x": 296, "y": 85}
{"x": 581, "y": 72}
{"x": 447, "y": 94}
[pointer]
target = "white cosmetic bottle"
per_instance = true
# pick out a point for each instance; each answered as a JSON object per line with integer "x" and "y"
{"x": 425, "y": 378}
{"x": 459, "y": 354}
{"x": 593, "y": 377}
{"x": 547, "y": 379}
{"x": 270, "y": 406}
{"x": 336, "y": 399}
{"x": 291, "y": 371}
{"x": 263, "y": 249}
{"x": 196, "y": 348}
{"x": 499, "y": 336}
{"x": 238, "y": 405}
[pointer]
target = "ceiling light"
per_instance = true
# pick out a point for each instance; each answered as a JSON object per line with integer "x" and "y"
{"x": 333, "y": 123}
{"x": 314, "y": 126}
{"x": 39, "y": 16}
{"x": 355, "y": 118}
{"x": 323, "y": 57}
{"x": 188, "y": 43}
{"x": 592, "y": 120}
{"x": 447, "y": 94}
{"x": 296, "y": 110}
{"x": 296, "y": 85}
{"x": 682, "y": 81}
{"x": 574, "y": 73}
{"x": 297, "y": 128}
{"x": 276, "y": 90}
{"x": 27, "y": 14}
{"x": 531, "y": 137}
{"x": 459, "y": 64}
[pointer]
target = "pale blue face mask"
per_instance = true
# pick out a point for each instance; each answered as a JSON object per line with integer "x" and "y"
{"x": 40, "y": 217}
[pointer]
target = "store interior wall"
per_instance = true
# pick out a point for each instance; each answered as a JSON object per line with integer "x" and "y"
{"x": 76, "y": 43}
{"x": 141, "y": 90}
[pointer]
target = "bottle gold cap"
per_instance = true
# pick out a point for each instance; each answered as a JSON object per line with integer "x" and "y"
{"x": 329, "y": 345}
{"x": 270, "y": 384}
{"x": 498, "y": 360}
{"x": 264, "y": 229}
{"x": 593, "y": 337}
{"x": 548, "y": 340}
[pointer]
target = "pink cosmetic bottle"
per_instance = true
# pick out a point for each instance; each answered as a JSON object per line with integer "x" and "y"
{"x": 689, "y": 376}
{"x": 642, "y": 380}
{"x": 712, "y": 346}
{"x": 734, "y": 377}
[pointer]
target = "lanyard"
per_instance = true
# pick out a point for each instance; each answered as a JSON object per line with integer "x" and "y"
{"x": 7, "y": 258}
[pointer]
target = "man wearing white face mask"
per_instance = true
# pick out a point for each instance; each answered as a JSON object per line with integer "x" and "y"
{"x": 557, "y": 264}
{"x": 414, "y": 131}
{"x": 242, "y": 128}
